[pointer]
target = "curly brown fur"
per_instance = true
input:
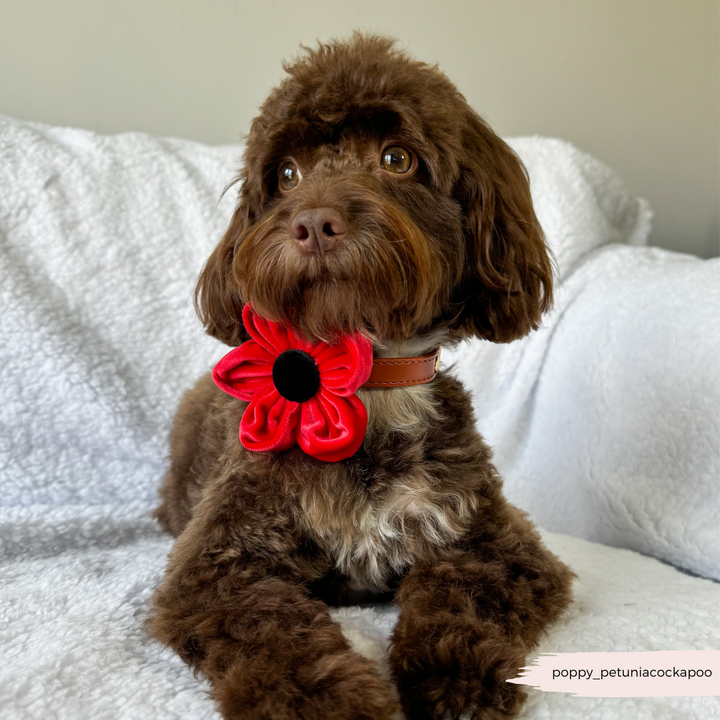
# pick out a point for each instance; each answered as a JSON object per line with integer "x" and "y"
{"x": 267, "y": 540}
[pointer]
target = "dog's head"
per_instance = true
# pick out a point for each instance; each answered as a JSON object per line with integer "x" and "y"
{"x": 374, "y": 199}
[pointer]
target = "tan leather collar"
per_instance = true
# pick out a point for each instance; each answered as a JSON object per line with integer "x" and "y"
{"x": 403, "y": 372}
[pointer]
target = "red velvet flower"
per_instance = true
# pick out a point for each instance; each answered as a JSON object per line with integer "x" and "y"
{"x": 298, "y": 392}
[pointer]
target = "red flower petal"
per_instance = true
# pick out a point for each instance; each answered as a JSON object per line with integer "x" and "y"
{"x": 269, "y": 335}
{"x": 332, "y": 427}
{"x": 245, "y": 371}
{"x": 346, "y": 366}
{"x": 269, "y": 422}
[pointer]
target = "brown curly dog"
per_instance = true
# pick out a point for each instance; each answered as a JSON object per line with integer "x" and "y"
{"x": 373, "y": 200}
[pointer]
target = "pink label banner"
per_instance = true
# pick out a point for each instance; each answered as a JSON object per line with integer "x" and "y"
{"x": 666, "y": 673}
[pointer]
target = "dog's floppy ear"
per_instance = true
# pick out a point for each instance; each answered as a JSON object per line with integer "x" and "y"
{"x": 508, "y": 277}
{"x": 217, "y": 297}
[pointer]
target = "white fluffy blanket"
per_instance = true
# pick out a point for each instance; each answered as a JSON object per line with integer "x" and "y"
{"x": 605, "y": 421}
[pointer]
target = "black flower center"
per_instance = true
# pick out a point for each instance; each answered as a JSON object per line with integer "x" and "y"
{"x": 296, "y": 375}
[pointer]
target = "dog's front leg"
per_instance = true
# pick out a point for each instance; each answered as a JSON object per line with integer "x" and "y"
{"x": 467, "y": 621}
{"x": 234, "y": 607}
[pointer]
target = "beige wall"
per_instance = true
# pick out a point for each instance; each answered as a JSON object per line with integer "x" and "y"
{"x": 635, "y": 82}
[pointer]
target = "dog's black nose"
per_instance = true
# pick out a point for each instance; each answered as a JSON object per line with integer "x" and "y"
{"x": 318, "y": 230}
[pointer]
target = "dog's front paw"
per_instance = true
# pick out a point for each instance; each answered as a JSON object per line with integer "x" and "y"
{"x": 456, "y": 668}
{"x": 339, "y": 686}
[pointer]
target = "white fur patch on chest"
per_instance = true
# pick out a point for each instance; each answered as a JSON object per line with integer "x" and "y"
{"x": 371, "y": 538}
{"x": 374, "y": 533}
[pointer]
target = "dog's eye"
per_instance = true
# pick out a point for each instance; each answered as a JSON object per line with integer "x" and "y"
{"x": 396, "y": 159}
{"x": 289, "y": 176}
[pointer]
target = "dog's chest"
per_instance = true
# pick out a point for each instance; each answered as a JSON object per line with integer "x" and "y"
{"x": 375, "y": 530}
{"x": 373, "y": 539}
